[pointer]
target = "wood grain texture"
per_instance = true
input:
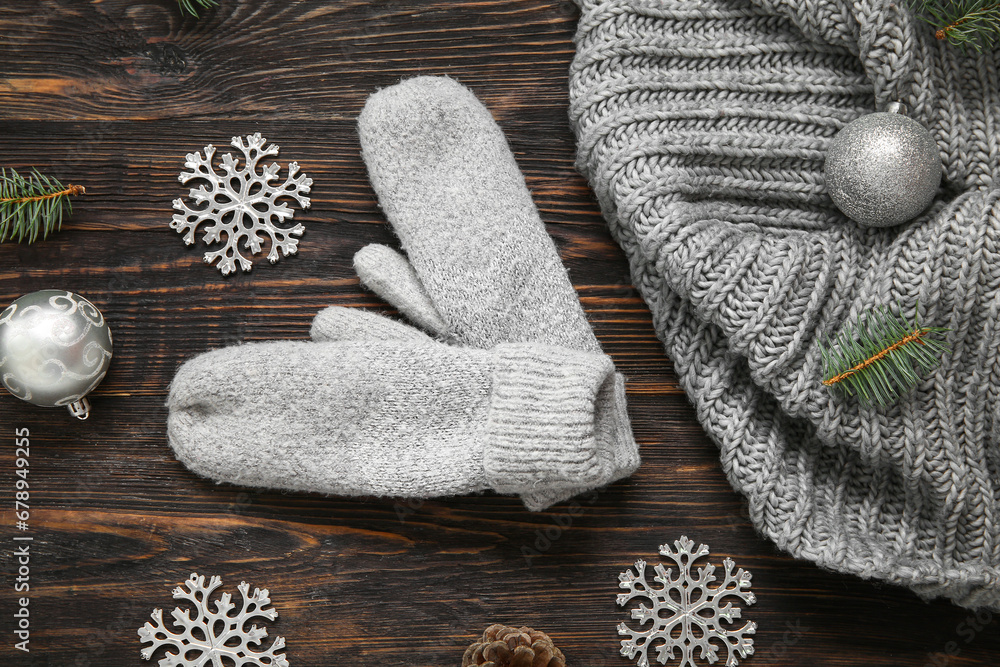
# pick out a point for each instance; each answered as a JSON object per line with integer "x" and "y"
{"x": 112, "y": 95}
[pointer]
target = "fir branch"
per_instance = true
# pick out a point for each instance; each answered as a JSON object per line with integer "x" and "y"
{"x": 191, "y": 6}
{"x": 881, "y": 357}
{"x": 33, "y": 205}
{"x": 963, "y": 23}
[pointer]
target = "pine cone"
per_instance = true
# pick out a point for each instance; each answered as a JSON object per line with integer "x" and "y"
{"x": 503, "y": 646}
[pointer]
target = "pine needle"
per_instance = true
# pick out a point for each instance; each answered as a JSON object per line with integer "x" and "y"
{"x": 33, "y": 205}
{"x": 966, "y": 24}
{"x": 191, "y": 6}
{"x": 881, "y": 357}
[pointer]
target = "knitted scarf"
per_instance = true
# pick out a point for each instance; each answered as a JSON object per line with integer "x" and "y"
{"x": 702, "y": 126}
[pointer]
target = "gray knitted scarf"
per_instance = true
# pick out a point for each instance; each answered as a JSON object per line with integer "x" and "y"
{"x": 702, "y": 127}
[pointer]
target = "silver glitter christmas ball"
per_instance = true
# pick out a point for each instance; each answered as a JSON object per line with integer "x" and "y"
{"x": 55, "y": 348}
{"x": 883, "y": 169}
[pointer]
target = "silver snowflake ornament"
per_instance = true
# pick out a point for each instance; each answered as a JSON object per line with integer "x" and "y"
{"x": 686, "y": 612}
{"x": 240, "y": 205}
{"x": 214, "y": 638}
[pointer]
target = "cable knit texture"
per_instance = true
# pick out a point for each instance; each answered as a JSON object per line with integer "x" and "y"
{"x": 702, "y": 126}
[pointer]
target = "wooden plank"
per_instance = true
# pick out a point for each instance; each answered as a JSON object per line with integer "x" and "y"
{"x": 112, "y": 95}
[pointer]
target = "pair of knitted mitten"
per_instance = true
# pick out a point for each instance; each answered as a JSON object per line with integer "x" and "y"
{"x": 511, "y": 392}
{"x": 703, "y": 128}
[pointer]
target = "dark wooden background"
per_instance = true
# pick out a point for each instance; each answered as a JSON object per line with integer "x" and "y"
{"x": 111, "y": 95}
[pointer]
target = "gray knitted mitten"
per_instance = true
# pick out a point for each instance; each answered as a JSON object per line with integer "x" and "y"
{"x": 408, "y": 418}
{"x": 481, "y": 269}
{"x": 452, "y": 191}
{"x": 702, "y": 127}
{"x": 375, "y": 407}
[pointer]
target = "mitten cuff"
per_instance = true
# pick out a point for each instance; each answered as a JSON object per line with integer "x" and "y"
{"x": 544, "y": 428}
{"x": 617, "y": 447}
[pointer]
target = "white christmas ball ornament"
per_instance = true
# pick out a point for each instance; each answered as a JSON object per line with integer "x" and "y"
{"x": 55, "y": 348}
{"x": 883, "y": 169}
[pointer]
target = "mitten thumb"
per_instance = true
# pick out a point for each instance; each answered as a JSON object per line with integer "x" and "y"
{"x": 338, "y": 323}
{"x": 390, "y": 275}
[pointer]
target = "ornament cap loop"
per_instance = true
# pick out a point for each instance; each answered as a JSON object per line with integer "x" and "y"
{"x": 80, "y": 409}
{"x": 896, "y": 107}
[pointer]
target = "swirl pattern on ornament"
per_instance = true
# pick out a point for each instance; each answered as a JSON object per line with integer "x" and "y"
{"x": 55, "y": 347}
